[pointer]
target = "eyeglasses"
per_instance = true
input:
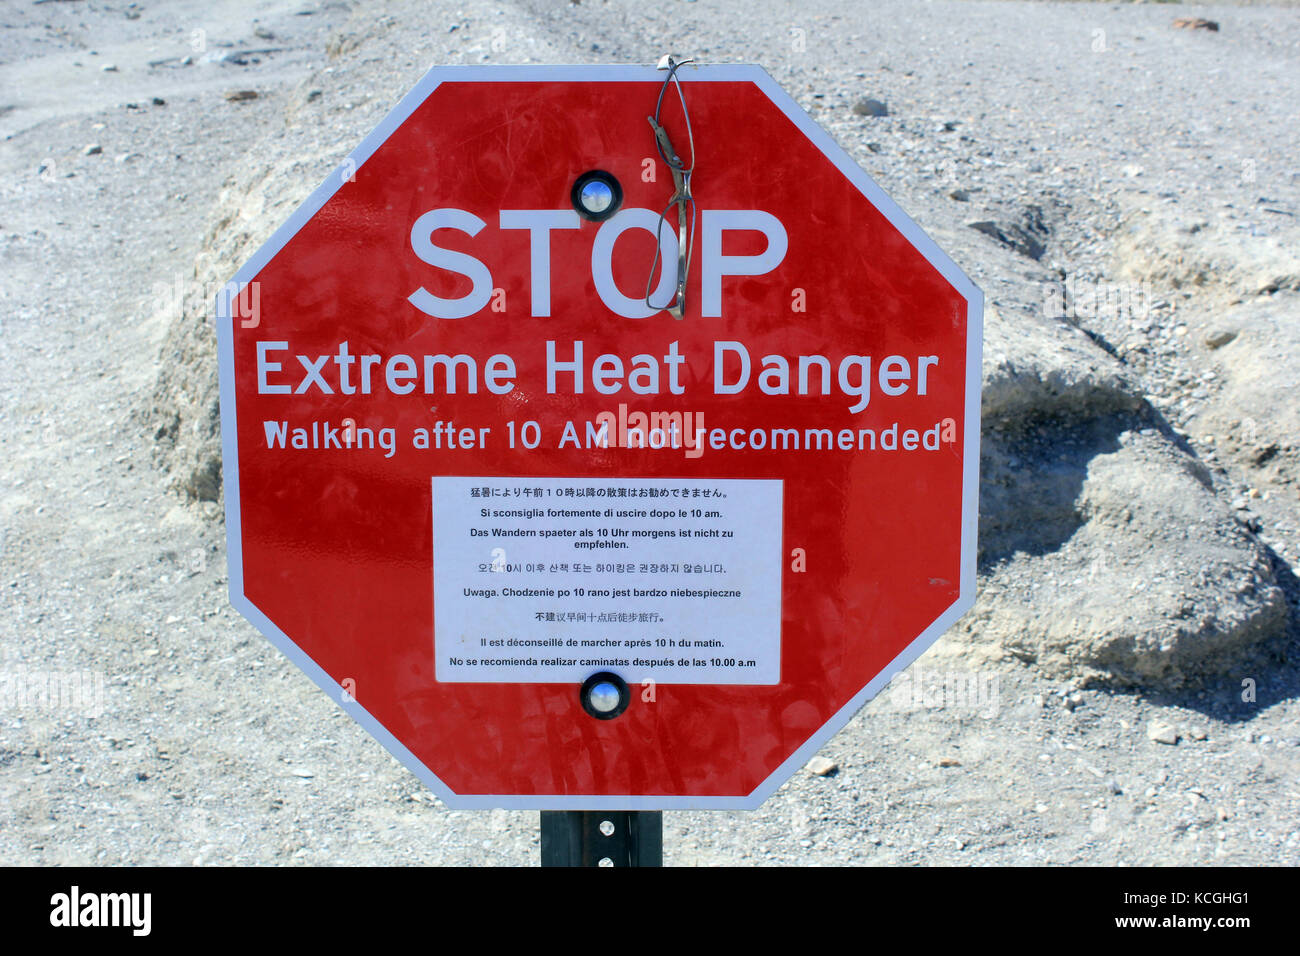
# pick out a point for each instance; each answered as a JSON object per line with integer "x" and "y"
{"x": 682, "y": 198}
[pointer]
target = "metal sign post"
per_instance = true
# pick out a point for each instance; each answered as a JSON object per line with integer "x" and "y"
{"x": 602, "y": 838}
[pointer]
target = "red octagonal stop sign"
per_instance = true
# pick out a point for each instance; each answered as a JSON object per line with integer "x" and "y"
{"x": 468, "y": 467}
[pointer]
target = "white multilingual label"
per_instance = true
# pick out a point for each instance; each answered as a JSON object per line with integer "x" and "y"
{"x": 549, "y": 580}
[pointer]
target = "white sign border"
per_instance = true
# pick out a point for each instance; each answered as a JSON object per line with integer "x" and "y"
{"x": 601, "y": 74}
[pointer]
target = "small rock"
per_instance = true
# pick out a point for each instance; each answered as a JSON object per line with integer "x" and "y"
{"x": 1162, "y": 733}
{"x": 240, "y": 96}
{"x": 158, "y": 101}
{"x": 949, "y": 762}
{"x": 1197, "y": 23}
{"x": 870, "y": 107}
{"x": 821, "y": 767}
{"x": 1112, "y": 785}
{"x": 108, "y": 68}
{"x": 1265, "y": 452}
{"x": 94, "y": 149}
{"x": 1218, "y": 338}
{"x": 300, "y": 772}
{"x": 960, "y": 195}
{"x": 1197, "y": 733}
{"x": 1027, "y": 234}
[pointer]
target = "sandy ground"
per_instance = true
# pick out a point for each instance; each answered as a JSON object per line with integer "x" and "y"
{"x": 206, "y": 746}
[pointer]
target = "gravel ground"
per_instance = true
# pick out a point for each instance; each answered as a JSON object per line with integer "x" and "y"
{"x": 210, "y": 748}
